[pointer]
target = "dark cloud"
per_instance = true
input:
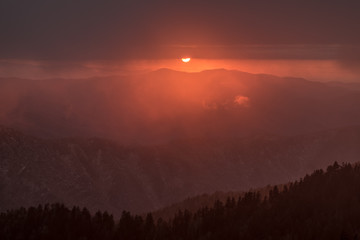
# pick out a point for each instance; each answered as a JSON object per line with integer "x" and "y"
{"x": 93, "y": 29}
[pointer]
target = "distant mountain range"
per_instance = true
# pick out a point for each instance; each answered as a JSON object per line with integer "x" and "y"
{"x": 174, "y": 135}
{"x": 102, "y": 174}
{"x": 165, "y": 105}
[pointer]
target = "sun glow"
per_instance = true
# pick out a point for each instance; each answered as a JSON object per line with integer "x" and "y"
{"x": 186, "y": 60}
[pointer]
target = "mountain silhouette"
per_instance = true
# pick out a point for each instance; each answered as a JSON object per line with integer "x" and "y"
{"x": 164, "y": 105}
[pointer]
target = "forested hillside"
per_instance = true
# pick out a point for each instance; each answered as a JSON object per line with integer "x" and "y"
{"x": 192, "y": 204}
{"x": 323, "y": 205}
{"x": 102, "y": 174}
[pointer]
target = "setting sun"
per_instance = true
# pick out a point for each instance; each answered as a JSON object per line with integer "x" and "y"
{"x": 185, "y": 60}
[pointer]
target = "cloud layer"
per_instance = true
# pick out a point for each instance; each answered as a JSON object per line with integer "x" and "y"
{"x": 93, "y": 29}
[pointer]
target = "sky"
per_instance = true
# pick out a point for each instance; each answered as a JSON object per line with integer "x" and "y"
{"x": 122, "y": 31}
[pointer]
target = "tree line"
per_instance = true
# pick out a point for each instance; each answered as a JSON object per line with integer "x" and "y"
{"x": 323, "y": 205}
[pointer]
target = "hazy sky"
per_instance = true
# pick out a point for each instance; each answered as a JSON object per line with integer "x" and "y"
{"x": 82, "y": 38}
{"x": 94, "y": 29}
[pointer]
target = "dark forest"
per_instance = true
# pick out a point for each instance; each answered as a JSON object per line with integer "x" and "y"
{"x": 323, "y": 205}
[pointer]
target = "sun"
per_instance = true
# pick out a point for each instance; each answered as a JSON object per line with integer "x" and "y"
{"x": 186, "y": 60}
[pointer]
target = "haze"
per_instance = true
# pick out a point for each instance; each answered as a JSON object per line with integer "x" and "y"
{"x": 97, "y": 108}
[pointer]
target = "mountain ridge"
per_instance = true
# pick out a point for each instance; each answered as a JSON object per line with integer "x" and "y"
{"x": 103, "y": 174}
{"x": 163, "y": 105}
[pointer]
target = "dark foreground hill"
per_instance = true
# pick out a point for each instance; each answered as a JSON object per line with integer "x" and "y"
{"x": 192, "y": 204}
{"x": 101, "y": 174}
{"x": 324, "y": 205}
